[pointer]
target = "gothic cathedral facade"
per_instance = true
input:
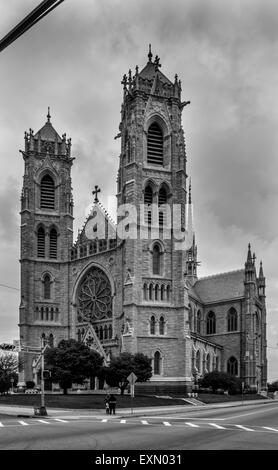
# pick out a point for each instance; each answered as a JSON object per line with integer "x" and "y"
{"x": 133, "y": 286}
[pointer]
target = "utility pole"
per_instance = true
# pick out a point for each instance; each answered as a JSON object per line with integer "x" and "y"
{"x": 42, "y": 409}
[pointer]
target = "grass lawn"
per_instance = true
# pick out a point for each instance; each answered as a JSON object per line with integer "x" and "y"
{"x": 217, "y": 398}
{"x": 92, "y": 401}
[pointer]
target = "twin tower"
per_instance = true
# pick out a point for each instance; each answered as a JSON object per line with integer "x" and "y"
{"x": 134, "y": 286}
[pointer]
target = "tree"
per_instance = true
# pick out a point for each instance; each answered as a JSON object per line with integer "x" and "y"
{"x": 8, "y": 371}
{"x": 273, "y": 386}
{"x": 72, "y": 362}
{"x": 222, "y": 380}
{"x": 121, "y": 366}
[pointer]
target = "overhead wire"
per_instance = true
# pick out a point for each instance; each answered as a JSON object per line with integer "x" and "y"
{"x": 30, "y": 20}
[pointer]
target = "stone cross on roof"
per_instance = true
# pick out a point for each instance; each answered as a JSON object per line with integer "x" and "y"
{"x": 95, "y": 192}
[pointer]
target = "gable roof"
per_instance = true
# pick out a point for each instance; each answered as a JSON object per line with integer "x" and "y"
{"x": 47, "y": 132}
{"x": 149, "y": 71}
{"x": 224, "y": 286}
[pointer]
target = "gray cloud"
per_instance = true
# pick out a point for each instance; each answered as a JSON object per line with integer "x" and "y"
{"x": 224, "y": 53}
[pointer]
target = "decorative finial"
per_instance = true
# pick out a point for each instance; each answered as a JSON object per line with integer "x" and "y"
{"x": 129, "y": 77}
{"x": 48, "y": 115}
{"x": 136, "y": 70}
{"x": 95, "y": 193}
{"x": 176, "y": 78}
{"x": 150, "y": 53}
{"x": 157, "y": 64}
{"x": 124, "y": 81}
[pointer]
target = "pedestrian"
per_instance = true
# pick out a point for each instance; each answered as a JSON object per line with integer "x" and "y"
{"x": 112, "y": 404}
{"x": 106, "y": 401}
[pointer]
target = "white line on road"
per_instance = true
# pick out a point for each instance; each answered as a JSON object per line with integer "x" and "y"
{"x": 270, "y": 429}
{"x": 251, "y": 413}
{"x": 192, "y": 425}
{"x": 43, "y": 421}
{"x": 123, "y": 421}
{"x": 104, "y": 420}
{"x": 23, "y": 423}
{"x": 216, "y": 426}
{"x": 244, "y": 427}
{"x": 60, "y": 420}
{"x": 166, "y": 423}
{"x": 144, "y": 422}
{"x": 1, "y": 425}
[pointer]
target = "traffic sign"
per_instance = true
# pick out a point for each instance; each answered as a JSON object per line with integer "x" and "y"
{"x": 132, "y": 378}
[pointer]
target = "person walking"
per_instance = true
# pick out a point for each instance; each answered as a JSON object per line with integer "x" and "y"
{"x": 106, "y": 401}
{"x": 112, "y": 404}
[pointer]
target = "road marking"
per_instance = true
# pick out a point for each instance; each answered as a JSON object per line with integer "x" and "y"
{"x": 123, "y": 421}
{"x": 251, "y": 413}
{"x": 23, "y": 423}
{"x": 166, "y": 423}
{"x": 270, "y": 429}
{"x": 104, "y": 420}
{"x": 192, "y": 425}
{"x": 1, "y": 425}
{"x": 60, "y": 420}
{"x": 144, "y": 422}
{"x": 43, "y": 421}
{"x": 216, "y": 426}
{"x": 244, "y": 427}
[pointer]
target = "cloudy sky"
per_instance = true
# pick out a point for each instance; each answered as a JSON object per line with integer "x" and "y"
{"x": 73, "y": 61}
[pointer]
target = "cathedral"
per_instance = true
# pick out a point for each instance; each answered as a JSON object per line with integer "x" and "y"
{"x": 133, "y": 285}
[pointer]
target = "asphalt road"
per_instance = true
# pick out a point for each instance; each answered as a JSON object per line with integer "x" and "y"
{"x": 252, "y": 427}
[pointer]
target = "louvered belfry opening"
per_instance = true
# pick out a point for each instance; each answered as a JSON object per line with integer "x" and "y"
{"x": 47, "y": 193}
{"x": 148, "y": 200}
{"x": 41, "y": 243}
{"x": 53, "y": 243}
{"x": 155, "y": 145}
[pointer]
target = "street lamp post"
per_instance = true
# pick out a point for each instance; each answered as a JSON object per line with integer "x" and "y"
{"x": 42, "y": 409}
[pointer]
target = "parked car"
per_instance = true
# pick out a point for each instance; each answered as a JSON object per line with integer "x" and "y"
{"x": 32, "y": 391}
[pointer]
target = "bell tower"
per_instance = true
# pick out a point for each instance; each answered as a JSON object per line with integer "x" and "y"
{"x": 46, "y": 238}
{"x": 152, "y": 197}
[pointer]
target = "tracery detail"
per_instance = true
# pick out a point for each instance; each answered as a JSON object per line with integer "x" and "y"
{"x": 94, "y": 297}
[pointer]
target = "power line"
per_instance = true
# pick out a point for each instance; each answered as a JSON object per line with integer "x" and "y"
{"x": 9, "y": 287}
{"x": 30, "y": 20}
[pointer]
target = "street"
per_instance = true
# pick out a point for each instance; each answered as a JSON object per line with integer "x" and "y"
{"x": 252, "y": 427}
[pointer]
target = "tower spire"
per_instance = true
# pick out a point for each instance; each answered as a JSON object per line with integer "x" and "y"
{"x": 191, "y": 262}
{"x": 150, "y": 53}
{"x": 48, "y": 114}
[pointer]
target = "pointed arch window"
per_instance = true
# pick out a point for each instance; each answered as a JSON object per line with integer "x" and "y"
{"x": 232, "y": 319}
{"x": 145, "y": 290}
{"x": 41, "y": 243}
{"x": 232, "y": 366}
{"x": 150, "y": 292}
{"x": 148, "y": 200}
{"x": 211, "y": 323}
{"x": 156, "y": 259}
{"x": 156, "y": 291}
{"x": 110, "y": 331}
{"x": 162, "y": 200}
{"x": 53, "y": 243}
{"x": 152, "y": 325}
{"x": 46, "y": 287}
{"x": 155, "y": 145}
{"x": 157, "y": 363}
{"x": 168, "y": 293}
{"x": 47, "y": 196}
{"x": 161, "y": 326}
{"x": 198, "y": 325}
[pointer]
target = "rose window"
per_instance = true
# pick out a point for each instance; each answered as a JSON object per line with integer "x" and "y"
{"x": 94, "y": 297}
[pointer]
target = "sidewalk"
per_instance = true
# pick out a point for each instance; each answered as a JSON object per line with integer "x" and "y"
{"x": 28, "y": 412}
